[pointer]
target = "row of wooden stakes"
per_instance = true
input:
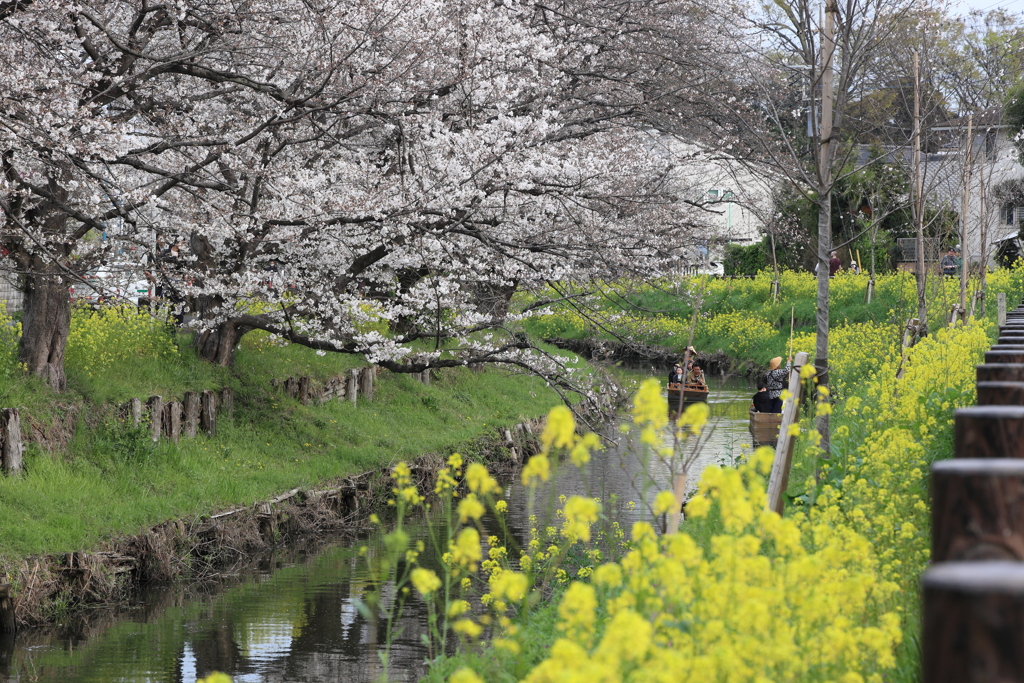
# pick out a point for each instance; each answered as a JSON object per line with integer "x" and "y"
{"x": 974, "y": 590}
{"x": 347, "y": 387}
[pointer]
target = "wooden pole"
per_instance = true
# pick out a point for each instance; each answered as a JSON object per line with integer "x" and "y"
{"x": 679, "y": 492}
{"x": 352, "y": 385}
{"x": 135, "y": 409}
{"x": 973, "y": 621}
{"x": 11, "y": 449}
{"x": 779, "y": 479}
{"x": 191, "y": 400}
{"x": 964, "y": 212}
{"x": 989, "y": 432}
{"x": 172, "y": 421}
{"x": 978, "y": 509}
{"x": 227, "y": 401}
{"x": 156, "y": 417}
{"x": 1001, "y": 306}
{"x": 366, "y": 382}
{"x": 303, "y": 390}
{"x": 208, "y": 415}
{"x": 1001, "y": 393}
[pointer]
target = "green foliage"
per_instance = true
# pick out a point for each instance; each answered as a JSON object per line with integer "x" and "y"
{"x": 745, "y": 260}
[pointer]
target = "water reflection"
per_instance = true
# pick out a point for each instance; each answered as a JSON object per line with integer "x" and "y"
{"x": 298, "y": 618}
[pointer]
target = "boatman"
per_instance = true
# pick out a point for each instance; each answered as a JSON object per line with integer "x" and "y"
{"x": 776, "y": 381}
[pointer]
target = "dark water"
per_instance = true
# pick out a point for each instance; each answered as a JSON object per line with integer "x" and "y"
{"x": 298, "y": 618}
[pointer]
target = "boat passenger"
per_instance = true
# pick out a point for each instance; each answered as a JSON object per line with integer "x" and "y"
{"x": 776, "y": 380}
{"x": 676, "y": 376}
{"x": 695, "y": 375}
{"x": 762, "y": 403}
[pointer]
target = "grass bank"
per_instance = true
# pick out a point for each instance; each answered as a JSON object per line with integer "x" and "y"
{"x": 90, "y": 477}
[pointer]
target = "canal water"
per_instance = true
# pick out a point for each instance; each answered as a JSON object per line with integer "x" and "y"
{"x": 299, "y": 618}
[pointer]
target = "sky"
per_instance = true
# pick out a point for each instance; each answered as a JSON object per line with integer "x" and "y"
{"x": 1013, "y": 6}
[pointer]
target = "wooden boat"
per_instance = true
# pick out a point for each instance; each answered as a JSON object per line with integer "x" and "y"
{"x": 764, "y": 427}
{"x": 692, "y": 393}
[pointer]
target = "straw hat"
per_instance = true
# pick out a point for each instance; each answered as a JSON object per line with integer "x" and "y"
{"x": 692, "y": 350}
{"x": 775, "y": 363}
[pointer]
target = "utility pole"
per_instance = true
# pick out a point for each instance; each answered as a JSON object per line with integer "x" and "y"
{"x": 922, "y": 306}
{"x": 964, "y": 212}
{"x": 825, "y": 208}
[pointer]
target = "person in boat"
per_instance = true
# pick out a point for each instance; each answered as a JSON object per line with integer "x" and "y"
{"x": 775, "y": 381}
{"x": 762, "y": 403}
{"x": 695, "y": 375}
{"x": 676, "y": 376}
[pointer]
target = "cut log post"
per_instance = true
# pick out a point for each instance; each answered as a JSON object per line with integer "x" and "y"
{"x": 425, "y": 377}
{"x": 1001, "y": 307}
{"x": 1000, "y": 372}
{"x": 303, "y": 390}
{"x": 973, "y": 622}
{"x": 1014, "y": 345}
{"x": 779, "y": 479}
{"x": 172, "y": 421}
{"x": 352, "y": 386}
{"x": 155, "y": 405}
{"x": 1000, "y": 393}
{"x": 7, "y": 624}
{"x": 989, "y": 432}
{"x": 135, "y": 410}
{"x": 366, "y": 376}
{"x": 208, "y": 413}
{"x": 1001, "y": 356}
{"x": 291, "y": 387}
{"x": 275, "y": 383}
{"x": 227, "y": 402}
{"x": 11, "y": 448}
{"x": 191, "y": 413}
{"x": 978, "y": 509}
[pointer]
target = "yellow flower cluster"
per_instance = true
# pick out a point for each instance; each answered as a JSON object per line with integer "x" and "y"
{"x": 112, "y": 335}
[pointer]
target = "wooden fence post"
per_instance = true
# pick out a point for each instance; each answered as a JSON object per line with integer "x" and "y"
{"x": 989, "y": 432}
{"x": 208, "y": 415}
{"x": 227, "y": 400}
{"x": 291, "y": 387}
{"x": 135, "y": 410}
{"x": 7, "y": 623}
{"x": 1001, "y": 307}
{"x": 11, "y": 448}
{"x": 366, "y": 382}
{"x": 973, "y": 621}
{"x": 1000, "y": 372}
{"x": 1000, "y": 393}
{"x": 172, "y": 421}
{"x": 156, "y": 417}
{"x": 425, "y": 377}
{"x": 352, "y": 385}
{"x": 191, "y": 413}
{"x": 779, "y": 479}
{"x": 303, "y": 390}
{"x": 978, "y": 509}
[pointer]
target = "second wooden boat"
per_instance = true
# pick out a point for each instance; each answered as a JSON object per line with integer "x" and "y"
{"x": 764, "y": 427}
{"x": 692, "y": 393}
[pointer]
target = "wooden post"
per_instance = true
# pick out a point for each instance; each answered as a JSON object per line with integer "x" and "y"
{"x": 978, "y": 509}
{"x": 156, "y": 417}
{"x": 1001, "y": 307}
{"x": 291, "y": 387}
{"x": 191, "y": 413}
{"x": 425, "y": 377}
{"x": 1000, "y": 393}
{"x": 7, "y": 624}
{"x": 779, "y": 479}
{"x": 1004, "y": 357}
{"x": 1016, "y": 345}
{"x": 679, "y": 492}
{"x": 208, "y": 414}
{"x": 366, "y": 382}
{"x": 303, "y": 390}
{"x": 352, "y": 385}
{"x": 973, "y": 621}
{"x": 227, "y": 401}
{"x": 1000, "y": 372}
{"x": 172, "y": 421}
{"x": 135, "y": 410}
{"x": 989, "y": 432}
{"x": 11, "y": 449}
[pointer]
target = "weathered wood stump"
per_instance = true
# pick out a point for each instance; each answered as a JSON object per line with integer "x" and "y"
{"x": 1000, "y": 372}
{"x": 227, "y": 402}
{"x": 973, "y": 622}
{"x": 352, "y": 386}
{"x": 304, "y": 390}
{"x": 172, "y": 421}
{"x": 978, "y": 509}
{"x": 155, "y": 406}
{"x": 425, "y": 377}
{"x": 291, "y": 387}
{"x": 192, "y": 410}
{"x": 11, "y": 448}
{"x": 7, "y": 624}
{"x": 208, "y": 413}
{"x": 989, "y": 432}
{"x": 135, "y": 411}
{"x": 366, "y": 376}
{"x": 1004, "y": 356}
{"x": 1000, "y": 393}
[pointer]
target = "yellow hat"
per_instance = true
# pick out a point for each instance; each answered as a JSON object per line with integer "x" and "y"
{"x": 775, "y": 363}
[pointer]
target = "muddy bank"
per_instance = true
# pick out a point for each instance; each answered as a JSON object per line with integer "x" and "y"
{"x": 660, "y": 357}
{"x": 52, "y": 588}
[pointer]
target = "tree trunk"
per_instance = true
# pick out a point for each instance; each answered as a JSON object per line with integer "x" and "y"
{"x": 218, "y": 345}
{"x": 46, "y": 321}
{"x": 821, "y": 342}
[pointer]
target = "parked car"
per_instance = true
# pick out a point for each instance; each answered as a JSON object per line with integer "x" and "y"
{"x": 117, "y": 282}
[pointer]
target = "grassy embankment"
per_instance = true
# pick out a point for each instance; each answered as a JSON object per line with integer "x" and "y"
{"x": 872, "y": 492}
{"x": 739, "y": 318}
{"x": 108, "y": 479}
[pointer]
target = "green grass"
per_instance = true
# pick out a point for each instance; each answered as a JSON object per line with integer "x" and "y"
{"x": 112, "y": 480}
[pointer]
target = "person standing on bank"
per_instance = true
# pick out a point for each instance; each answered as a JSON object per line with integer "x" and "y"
{"x": 834, "y": 265}
{"x": 776, "y": 380}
